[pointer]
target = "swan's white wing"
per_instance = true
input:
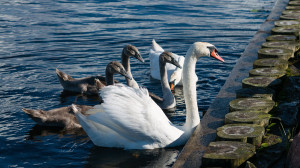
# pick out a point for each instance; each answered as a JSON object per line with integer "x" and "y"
{"x": 154, "y": 53}
{"x": 133, "y": 115}
{"x": 154, "y": 64}
{"x": 100, "y": 134}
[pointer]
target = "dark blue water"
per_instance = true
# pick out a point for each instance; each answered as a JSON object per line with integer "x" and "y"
{"x": 80, "y": 37}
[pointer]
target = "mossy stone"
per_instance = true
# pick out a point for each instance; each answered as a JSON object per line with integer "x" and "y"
{"x": 294, "y": 16}
{"x": 294, "y": 3}
{"x": 286, "y": 30}
{"x": 280, "y": 23}
{"x": 288, "y": 12}
{"x": 247, "y": 117}
{"x": 289, "y": 7}
{"x": 281, "y": 38}
{"x": 253, "y": 104}
{"x": 261, "y": 82}
{"x": 271, "y": 62}
{"x": 270, "y": 140}
{"x": 269, "y": 72}
{"x": 248, "y": 133}
{"x": 294, "y": 46}
{"x": 275, "y": 52}
{"x": 227, "y": 154}
{"x": 266, "y": 93}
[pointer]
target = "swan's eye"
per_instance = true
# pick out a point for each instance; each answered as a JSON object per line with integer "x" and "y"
{"x": 131, "y": 51}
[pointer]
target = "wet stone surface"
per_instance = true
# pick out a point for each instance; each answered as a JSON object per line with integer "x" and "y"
{"x": 294, "y": 3}
{"x": 286, "y": 30}
{"x": 281, "y": 44}
{"x": 270, "y": 62}
{"x": 270, "y": 72}
{"x": 276, "y": 53}
{"x": 221, "y": 149}
{"x": 248, "y": 116}
{"x": 261, "y": 81}
{"x": 292, "y": 7}
{"x": 287, "y": 12}
{"x": 259, "y": 104}
{"x": 250, "y": 133}
{"x": 281, "y": 37}
{"x": 291, "y": 17}
{"x": 238, "y": 130}
{"x": 229, "y": 150}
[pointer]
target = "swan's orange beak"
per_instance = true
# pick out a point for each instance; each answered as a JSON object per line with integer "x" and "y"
{"x": 172, "y": 85}
{"x": 216, "y": 55}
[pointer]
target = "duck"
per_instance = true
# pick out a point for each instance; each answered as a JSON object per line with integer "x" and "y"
{"x": 130, "y": 119}
{"x": 174, "y": 73}
{"x": 64, "y": 117}
{"x": 90, "y": 86}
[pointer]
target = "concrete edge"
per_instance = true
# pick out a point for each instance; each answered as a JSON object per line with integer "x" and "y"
{"x": 191, "y": 155}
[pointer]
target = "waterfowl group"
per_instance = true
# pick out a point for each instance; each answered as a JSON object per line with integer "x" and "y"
{"x": 89, "y": 86}
{"x": 128, "y": 117}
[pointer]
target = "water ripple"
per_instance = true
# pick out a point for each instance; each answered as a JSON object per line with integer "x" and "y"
{"x": 81, "y": 38}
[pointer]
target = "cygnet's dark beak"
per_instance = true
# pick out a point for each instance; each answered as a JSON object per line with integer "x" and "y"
{"x": 174, "y": 62}
{"x": 124, "y": 73}
{"x": 139, "y": 57}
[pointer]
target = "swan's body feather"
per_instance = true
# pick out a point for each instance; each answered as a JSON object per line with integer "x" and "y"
{"x": 142, "y": 125}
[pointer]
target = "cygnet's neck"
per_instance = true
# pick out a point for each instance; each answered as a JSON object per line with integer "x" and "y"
{"x": 126, "y": 65}
{"x": 109, "y": 77}
{"x": 168, "y": 97}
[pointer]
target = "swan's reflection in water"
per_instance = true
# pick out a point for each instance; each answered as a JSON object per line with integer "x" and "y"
{"x": 38, "y": 131}
{"x": 110, "y": 157}
{"x": 107, "y": 157}
{"x": 67, "y": 97}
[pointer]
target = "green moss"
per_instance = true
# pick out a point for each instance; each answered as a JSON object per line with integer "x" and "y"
{"x": 227, "y": 154}
{"x": 288, "y": 72}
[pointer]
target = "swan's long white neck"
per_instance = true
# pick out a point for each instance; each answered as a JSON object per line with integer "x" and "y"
{"x": 189, "y": 90}
{"x": 126, "y": 65}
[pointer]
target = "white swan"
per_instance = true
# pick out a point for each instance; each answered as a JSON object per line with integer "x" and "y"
{"x": 130, "y": 119}
{"x": 174, "y": 73}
